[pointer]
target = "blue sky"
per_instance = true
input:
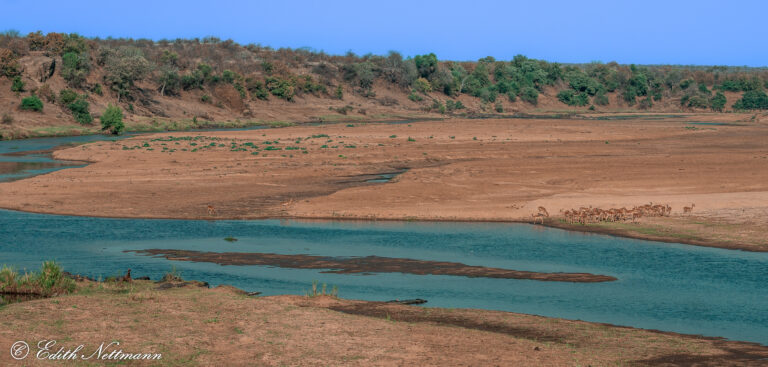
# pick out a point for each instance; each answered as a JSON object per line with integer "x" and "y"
{"x": 643, "y": 32}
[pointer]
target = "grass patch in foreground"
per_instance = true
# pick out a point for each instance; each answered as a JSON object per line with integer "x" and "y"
{"x": 50, "y": 280}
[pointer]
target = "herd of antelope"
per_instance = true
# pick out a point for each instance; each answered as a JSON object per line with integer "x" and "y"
{"x": 585, "y": 215}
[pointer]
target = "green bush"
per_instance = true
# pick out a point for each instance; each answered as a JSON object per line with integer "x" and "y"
{"x": 339, "y": 93}
{"x": 112, "y": 120}
{"x": 752, "y": 100}
{"x": 499, "y": 107}
{"x": 32, "y": 103}
{"x": 415, "y": 96}
{"x": 717, "y": 103}
{"x": 193, "y": 80}
{"x": 566, "y": 96}
{"x": 530, "y": 95}
{"x": 257, "y": 88}
{"x": 17, "y": 85}
{"x": 96, "y": 89}
{"x": 422, "y": 85}
{"x": 79, "y": 110}
{"x": 451, "y": 105}
{"x": 67, "y": 96}
{"x": 75, "y": 68}
{"x": 282, "y": 88}
{"x": 229, "y": 76}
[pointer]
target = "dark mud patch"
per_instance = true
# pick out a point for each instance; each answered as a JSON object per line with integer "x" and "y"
{"x": 734, "y": 354}
{"x": 442, "y": 317}
{"x": 368, "y": 264}
{"x": 9, "y": 298}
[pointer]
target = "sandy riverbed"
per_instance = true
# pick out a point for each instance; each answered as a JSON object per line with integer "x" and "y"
{"x": 476, "y": 170}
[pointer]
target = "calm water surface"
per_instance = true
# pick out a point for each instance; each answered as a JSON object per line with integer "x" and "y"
{"x": 661, "y": 286}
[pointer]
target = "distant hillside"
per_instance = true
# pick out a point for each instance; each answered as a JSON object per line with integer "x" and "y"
{"x": 168, "y": 84}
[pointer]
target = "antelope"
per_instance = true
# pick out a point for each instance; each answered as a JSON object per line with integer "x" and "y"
{"x": 688, "y": 209}
{"x": 543, "y": 211}
{"x": 537, "y": 216}
{"x": 211, "y": 210}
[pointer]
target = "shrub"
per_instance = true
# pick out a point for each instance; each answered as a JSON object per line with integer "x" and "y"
{"x": 192, "y": 80}
{"x": 752, "y": 100}
{"x": 257, "y": 88}
{"x": 339, "y": 93}
{"x": 415, "y": 97}
{"x": 7, "y": 118}
{"x": 205, "y": 98}
{"x": 229, "y": 76}
{"x": 422, "y": 85}
{"x": 717, "y": 103}
{"x": 566, "y": 96}
{"x": 646, "y": 103}
{"x": 75, "y": 68}
{"x": 79, "y": 110}
{"x": 9, "y": 64}
{"x": 67, "y": 96}
{"x": 451, "y": 106}
{"x": 695, "y": 101}
{"x": 439, "y": 106}
{"x": 282, "y": 88}
{"x": 601, "y": 99}
{"x": 112, "y": 120}
{"x": 530, "y": 95}
{"x": 32, "y": 103}
{"x": 17, "y": 85}
{"x": 499, "y": 107}
{"x": 96, "y": 89}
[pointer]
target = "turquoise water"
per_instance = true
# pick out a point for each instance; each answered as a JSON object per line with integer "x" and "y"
{"x": 661, "y": 286}
{"x": 35, "y": 163}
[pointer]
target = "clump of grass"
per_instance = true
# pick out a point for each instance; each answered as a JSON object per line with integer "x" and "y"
{"x": 173, "y": 276}
{"x": 314, "y": 292}
{"x": 230, "y": 239}
{"x": 50, "y": 280}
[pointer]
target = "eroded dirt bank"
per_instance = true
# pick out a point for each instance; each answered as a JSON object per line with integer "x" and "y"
{"x": 495, "y": 170}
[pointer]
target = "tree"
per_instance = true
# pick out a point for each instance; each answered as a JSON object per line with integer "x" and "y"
{"x": 75, "y": 68}
{"x": 124, "y": 68}
{"x": 112, "y": 120}
{"x": 31, "y": 103}
{"x": 80, "y": 111}
{"x": 426, "y": 64}
{"x": 169, "y": 80}
{"x": 718, "y": 102}
{"x": 752, "y": 100}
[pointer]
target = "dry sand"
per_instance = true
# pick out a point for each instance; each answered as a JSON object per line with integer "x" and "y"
{"x": 474, "y": 170}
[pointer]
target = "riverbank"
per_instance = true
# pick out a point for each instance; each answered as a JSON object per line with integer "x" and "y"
{"x": 459, "y": 170}
{"x": 147, "y": 317}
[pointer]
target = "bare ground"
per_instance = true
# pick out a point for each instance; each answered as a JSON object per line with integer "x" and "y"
{"x": 474, "y": 170}
{"x": 223, "y": 326}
